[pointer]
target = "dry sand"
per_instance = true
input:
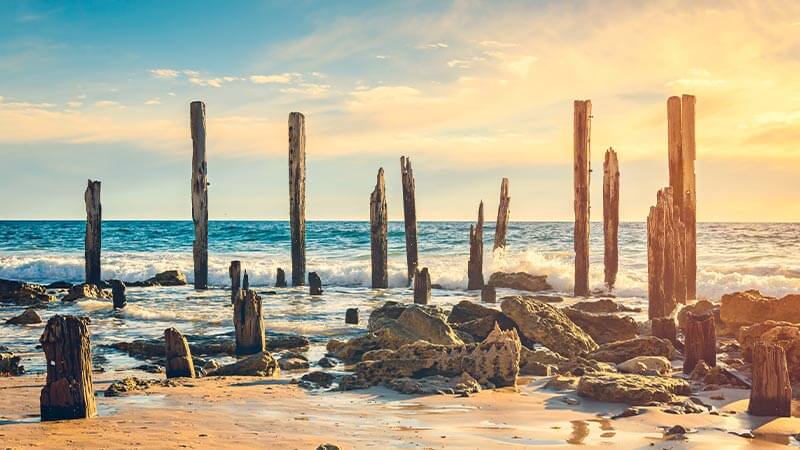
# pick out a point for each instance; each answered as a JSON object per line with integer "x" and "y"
{"x": 238, "y": 412}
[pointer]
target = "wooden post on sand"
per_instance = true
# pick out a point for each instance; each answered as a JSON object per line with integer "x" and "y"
{"x": 700, "y": 342}
{"x": 248, "y": 323}
{"x": 581, "y": 170}
{"x": 611, "y": 217}
{"x": 178, "y": 356}
{"x": 771, "y": 392}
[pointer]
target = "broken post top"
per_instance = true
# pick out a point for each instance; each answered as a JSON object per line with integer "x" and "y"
{"x": 92, "y": 197}
{"x": 406, "y": 171}
{"x": 197, "y": 117}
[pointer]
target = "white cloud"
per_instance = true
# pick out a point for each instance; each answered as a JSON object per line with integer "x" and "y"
{"x": 496, "y": 44}
{"x": 459, "y": 64}
{"x": 106, "y": 103}
{"x": 153, "y": 101}
{"x": 310, "y": 89}
{"x": 164, "y": 73}
{"x": 381, "y": 57}
{"x": 283, "y": 78}
{"x": 432, "y": 46}
{"x": 74, "y": 104}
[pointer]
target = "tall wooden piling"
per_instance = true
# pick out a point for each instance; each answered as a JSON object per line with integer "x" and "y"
{"x": 179, "y": 361}
{"x": 581, "y": 171}
{"x": 378, "y": 227}
{"x": 297, "y": 195}
{"x": 235, "y": 272}
{"x": 248, "y": 323}
{"x": 665, "y": 264}
{"x": 700, "y": 343}
{"x": 422, "y": 286}
{"x": 280, "y": 278}
{"x": 502, "y": 216}
{"x": 771, "y": 392}
{"x": 475, "y": 264}
{"x": 197, "y": 113}
{"x": 611, "y": 217}
{"x": 409, "y": 216}
{"x": 94, "y": 218}
{"x": 68, "y": 392}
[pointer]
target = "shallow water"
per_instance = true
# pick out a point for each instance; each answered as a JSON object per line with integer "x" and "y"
{"x": 730, "y": 257}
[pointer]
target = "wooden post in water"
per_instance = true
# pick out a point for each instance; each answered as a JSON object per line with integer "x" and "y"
{"x": 94, "y": 218}
{"x": 771, "y": 392}
{"x": 422, "y": 286}
{"x": 689, "y": 205}
{"x": 475, "y": 264}
{"x": 581, "y": 170}
{"x": 409, "y": 216}
{"x": 235, "y": 272}
{"x": 378, "y": 227}
{"x": 502, "y": 216}
{"x": 611, "y": 217}
{"x": 700, "y": 341}
{"x": 68, "y": 392}
{"x": 664, "y": 256}
{"x": 118, "y": 294}
{"x": 197, "y": 113}
{"x": 297, "y": 195}
{"x": 245, "y": 281}
{"x": 280, "y": 278}
{"x": 248, "y": 323}
{"x": 178, "y": 356}
{"x": 314, "y": 284}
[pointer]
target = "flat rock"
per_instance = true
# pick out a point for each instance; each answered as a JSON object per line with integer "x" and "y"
{"x": 603, "y": 327}
{"x": 603, "y": 305}
{"x": 617, "y": 352}
{"x": 29, "y": 317}
{"x": 133, "y": 384}
{"x": 292, "y": 364}
{"x": 84, "y": 290}
{"x": 746, "y": 308}
{"x": 319, "y": 378}
{"x": 436, "y": 384}
{"x": 520, "y": 281}
{"x": 23, "y": 294}
{"x": 645, "y": 365}
{"x": 542, "y": 323}
{"x": 258, "y": 365}
{"x": 631, "y": 389}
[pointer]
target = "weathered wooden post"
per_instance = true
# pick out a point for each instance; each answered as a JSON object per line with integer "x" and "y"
{"x": 235, "y": 272}
{"x": 422, "y": 286}
{"x": 297, "y": 195}
{"x": 611, "y": 217}
{"x": 248, "y": 323}
{"x": 197, "y": 113}
{"x": 475, "y": 264}
{"x": 351, "y": 316}
{"x": 178, "y": 356}
{"x": 245, "y": 281}
{"x": 581, "y": 170}
{"x": 280, "y": 278}
{"x": 314, "y": 284}
{"x": 68, "y": 392}
{"x": 502, "y": 216}
{"x": 771, "y": 392}
{"x": 700, "y": 341}
{"x": 664, "y": 256}
{"x": 489, "y": 294}
{"x": 118, "y": 291}
{"x": 94, "y": 218}
{"x": 409, "y": 216}
{"x": 378, "y": 226}
{"x": 664, "y": 328}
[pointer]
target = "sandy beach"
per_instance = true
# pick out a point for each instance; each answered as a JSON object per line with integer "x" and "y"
{"x": 244, "y": 412}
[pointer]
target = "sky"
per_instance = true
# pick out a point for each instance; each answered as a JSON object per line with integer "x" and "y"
{"x": 471, "y": 91}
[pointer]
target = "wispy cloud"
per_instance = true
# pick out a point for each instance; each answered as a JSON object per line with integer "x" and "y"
{"x": 106, "y": 104}
{"x": 271, "y": 79}
{"x": 432, "y": 46}
{"x": 164, "y": 73}
{"x": 153, "y": 101}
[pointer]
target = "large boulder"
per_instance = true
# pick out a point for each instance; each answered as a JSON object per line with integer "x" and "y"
{"x": 479, "y": 329}
{"x": 603, "y": 328}
{"x": 617, "y": 352}
{"x": 166, "y": 278}
{"x": 258, "y": 365}
{"x": 631, "y": 389}
{"x": 603, "y": 305}
{"x": 784, "y": 334}
{"x": 9, "y": 364}
{"x": 29, "y": 317}
{"x": 85, "y": 290}
{"x": 436, "y": 384}
{"x": 428, "y": 326}
{"x": 539, "y": 322}
{"x": 520, "y": 281}
{"x": 24, "y": 294}
{"x": 391, "y": 311}
{"x": 467, "y": 311}
{"x": 749, "y": 307}
{"x": 646, "y": 365}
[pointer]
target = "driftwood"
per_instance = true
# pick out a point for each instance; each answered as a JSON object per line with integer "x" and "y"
{"x": 611, "y": 217}
{"x": 297, "y": 195}
{"x": 314, "y": 284}
{"x": 235, "y": 272}
{"x": 378, "y": 227}
{"x": 94, "y": 218}
{"x": 475, "y": 264}
{"x": 248, "y": 323}
{"x": 771, "y": 392}
{"x": 422, "y": 286}
{"x": 280, "y": 278}
{"x": 351, "y": 316}
{"x": 197, "y": 113}
{"x": 178, "y": 356}
{"x": 700, "y": 341}
{"x": 502, "y": 216}
{"x": 489, "y": 294}
{"x": 409, "y": 216}
{"x": 581, "y": 170}
{"x": 118, "y": 293}
{"x": 666, "y": 283}
{"x": 68, "y": 392}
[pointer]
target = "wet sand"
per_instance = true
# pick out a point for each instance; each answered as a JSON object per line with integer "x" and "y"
{"x": 240, "y": 412}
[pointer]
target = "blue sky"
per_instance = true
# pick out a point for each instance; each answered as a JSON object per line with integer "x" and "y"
{"x": 472, "y": 91}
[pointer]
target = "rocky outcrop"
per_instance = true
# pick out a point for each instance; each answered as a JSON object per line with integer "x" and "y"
{"x": 539, "y": 322}
{"x": 617, "y": 352}
{"x": 9, "y": 364}
{"x": 133, "y": 384}
{"x": 29, "y": 317}
{"x": 602, "y": 327}
{"x": 467, "y": 311}
{"x": 749, "y": 307}
{"x": 84, "y": 290}
{"x": 646, "y": 365}
{"x": 784, "y": 334}
{"x": 23, "y": 294}
{"x": 166, "y": 278}
{"x": 428, "y": 326}
{"x": 479, "y": 329}
{"x": 208, "y": 345}
{"x": 631, "y": 389}
{"x": 258, "y": 365}
{"x": 437, "y": 384}
{"x": 539, "y": 362}
{"x": 520, "y": 281}
{"x": 603, "y": 305}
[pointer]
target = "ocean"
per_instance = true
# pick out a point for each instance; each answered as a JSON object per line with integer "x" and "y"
{"x": 731, "y": 257}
